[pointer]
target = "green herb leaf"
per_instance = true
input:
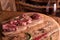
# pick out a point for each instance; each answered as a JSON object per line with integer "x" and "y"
{"x": 29, "y": 36}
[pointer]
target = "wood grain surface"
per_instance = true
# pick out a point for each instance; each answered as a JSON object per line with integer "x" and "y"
{"x": 56, "y": 18}
{"x": 7, "y": 15}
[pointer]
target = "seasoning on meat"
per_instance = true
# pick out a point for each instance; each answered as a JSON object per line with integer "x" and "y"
{"x": 35, "y": 16}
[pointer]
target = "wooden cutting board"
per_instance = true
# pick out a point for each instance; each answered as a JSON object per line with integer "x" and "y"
{"x": 7, "y": 15}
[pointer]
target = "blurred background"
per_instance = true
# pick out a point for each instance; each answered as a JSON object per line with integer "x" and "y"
{"x": 43, "y": 6}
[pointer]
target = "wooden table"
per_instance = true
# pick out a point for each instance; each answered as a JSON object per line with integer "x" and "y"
{"x": 56, "y": 18}
{"x": 7, "y": 15}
